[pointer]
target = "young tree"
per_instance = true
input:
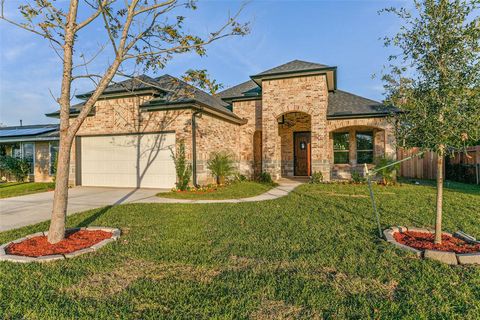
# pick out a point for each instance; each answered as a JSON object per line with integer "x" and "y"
{"x": 435, "y": 80}
{"x": 145, "y": 33}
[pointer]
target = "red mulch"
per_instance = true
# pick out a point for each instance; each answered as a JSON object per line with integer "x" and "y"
{"x": 39, "y": 246}
{"x": 423, "y": 240}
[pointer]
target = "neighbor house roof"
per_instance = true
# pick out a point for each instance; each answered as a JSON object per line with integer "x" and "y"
{"x": 40, "y": 132}
{"x": 169, "y": 93}
{"x": 342, "y": 104}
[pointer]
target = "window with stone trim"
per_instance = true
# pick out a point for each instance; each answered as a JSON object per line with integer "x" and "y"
{"x": 341, "y": 148}
{"x": 365, "y": 146}
{"x": 53, "y": 150}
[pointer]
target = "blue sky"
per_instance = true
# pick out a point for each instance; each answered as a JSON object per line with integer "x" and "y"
{"x": 340, "y": 33}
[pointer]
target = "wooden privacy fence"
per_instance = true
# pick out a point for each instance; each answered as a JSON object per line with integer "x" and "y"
{"x": 426, "y": 167}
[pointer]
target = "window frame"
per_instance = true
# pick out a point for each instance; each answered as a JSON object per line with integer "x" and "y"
{"x": 367, "y": 132}
{"x": 50, "y": 163}
{"x": 347, "y": 150}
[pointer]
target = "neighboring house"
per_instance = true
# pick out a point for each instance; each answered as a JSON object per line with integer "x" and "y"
{"x": 37, "y": 144}
{"x": 288, "y": 121}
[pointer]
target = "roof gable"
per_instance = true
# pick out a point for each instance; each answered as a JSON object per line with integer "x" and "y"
{"x": 292, "y": 66}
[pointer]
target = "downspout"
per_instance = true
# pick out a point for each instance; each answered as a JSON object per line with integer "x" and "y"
{"x": 194, "y": 146}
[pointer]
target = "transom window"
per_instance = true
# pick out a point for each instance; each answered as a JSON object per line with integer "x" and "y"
{"x": 364, "y": 147}
{"x": 341, "y": 146}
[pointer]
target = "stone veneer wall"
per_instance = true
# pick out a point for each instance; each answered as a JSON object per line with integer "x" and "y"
{"x": 384, "y": 142}
{"x": 294, "y": 122}
{"x": 122, "y": 116}
{"x": 306, "y": 94}
{"x": 250, "y": 136}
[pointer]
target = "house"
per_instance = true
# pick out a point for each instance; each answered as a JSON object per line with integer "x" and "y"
{"x": 37, "y": 144}
{"x": 290, "y": 120}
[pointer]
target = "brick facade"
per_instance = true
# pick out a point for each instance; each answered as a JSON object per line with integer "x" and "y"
{"x": 262, "y": 143}
{"x": 123, "y": 116}
{"x": 307, "y": 94}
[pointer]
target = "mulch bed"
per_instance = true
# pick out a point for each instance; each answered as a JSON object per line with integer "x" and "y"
{"x": 74, "y": 240}
{"x": 423, "y": 240}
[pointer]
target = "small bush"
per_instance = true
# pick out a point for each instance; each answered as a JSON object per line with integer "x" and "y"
{"x": 265, "y": 177}
{"x": 18, "y": 168}
{"x": 357, "y": 177}
{"x": 388, "y": 175}
{"x": 182, "y": 167}
{"x": 239, "y": 178}
{"x": 221, "y": 166}
{"x": 316, "y": 178}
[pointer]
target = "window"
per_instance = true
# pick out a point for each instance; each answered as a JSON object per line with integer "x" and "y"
{"x": 28, "y": 155}
{"x": 341, "y": 148}
{"x": 53, "y": 156}
{"x": 364, "y": 147}
{"x": 17, "y": 151}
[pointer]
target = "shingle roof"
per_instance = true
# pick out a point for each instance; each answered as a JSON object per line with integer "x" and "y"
{"x": 141, "y": 82}
{"x": 292, "y": 66}
{"x": 345, "y": 104}
{"x": 246, "y": 89}
{"x": 169, "y": 91}
{"x": 178, "y": 92}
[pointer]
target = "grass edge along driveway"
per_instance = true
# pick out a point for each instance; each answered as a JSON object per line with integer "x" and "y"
{"x": 15, "y": 189}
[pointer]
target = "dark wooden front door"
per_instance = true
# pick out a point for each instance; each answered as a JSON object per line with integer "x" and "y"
{"x": 302, "y": 153}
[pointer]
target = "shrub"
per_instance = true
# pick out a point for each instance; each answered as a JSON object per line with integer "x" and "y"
{"x": 388, "y": 174}
{"x": 239, "y": 177}
{"x": 357, "y": 177}
{"x": 265, "y": 177}
{"x": 316, "y": 178}
{"x": 182, "y": 167}
{"x": 18, "y": 168}
{"x": 221, "y": 165}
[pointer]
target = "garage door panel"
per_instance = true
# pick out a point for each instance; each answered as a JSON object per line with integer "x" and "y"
{"x": 128, "y": 161}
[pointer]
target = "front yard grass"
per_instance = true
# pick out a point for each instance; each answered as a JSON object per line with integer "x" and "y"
{"x": 237, "y": 190}
{"x": 14, "y": 189}
{"x": 312, "y": 254}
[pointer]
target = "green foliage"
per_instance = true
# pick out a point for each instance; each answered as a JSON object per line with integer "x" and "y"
{"x": 434, "y": 80}
{"x": 316, "y": 178}
{"x": 357, "y": 177}
{"x": 221, "y": 165}
{"x": 182, "y": 167}
{"x": 265, "y": 177}
{"x": 388, "y": 170}
{"x": 18, "y": 168}
{"x": 201, "y": 79}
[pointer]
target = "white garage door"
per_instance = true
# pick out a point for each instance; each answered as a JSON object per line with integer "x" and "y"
{"x": 142, "y": 161}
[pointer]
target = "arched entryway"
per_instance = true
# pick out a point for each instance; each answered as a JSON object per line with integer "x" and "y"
{"x": 294, "y": 131}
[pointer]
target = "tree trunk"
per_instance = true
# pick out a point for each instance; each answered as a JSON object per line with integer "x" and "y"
{"x": 56, "y": 231}
{"x": 438, "y": 220}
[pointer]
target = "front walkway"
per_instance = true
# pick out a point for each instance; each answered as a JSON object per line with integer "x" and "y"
{"x": 25, "y": 210}
{"x": 285, "y": 186}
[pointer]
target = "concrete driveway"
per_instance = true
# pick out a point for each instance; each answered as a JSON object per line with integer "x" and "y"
{"x": 21, "y": 211}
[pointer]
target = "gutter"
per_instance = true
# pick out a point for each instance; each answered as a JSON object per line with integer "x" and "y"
{"x": 194, "y": 146}
{"x": 27, "y": 139}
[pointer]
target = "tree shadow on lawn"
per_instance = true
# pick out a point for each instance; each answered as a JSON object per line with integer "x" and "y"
{"x": 92, "y": 218}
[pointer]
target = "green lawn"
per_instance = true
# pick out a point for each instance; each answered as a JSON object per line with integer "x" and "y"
{"x": 13, "y": 189}
{"x": 236, "y": 190}
{"x": 314, "y": 253}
